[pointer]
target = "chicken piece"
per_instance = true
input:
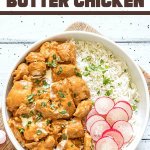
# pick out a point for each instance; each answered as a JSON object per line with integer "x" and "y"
{"x": 35, "y": 57}
{"x": 83, "y": 109}
{"x": 67, "y": 53}
{"x": 37, "y": 69}
{"x": 88, "y": 145}
{"x": 70, "y": 146}
{"x": 58, "y": 126}
{"x": 47, "y": 47}
{"x": 36, "y": 131}
{"x": 31, "y": 145}
{"x": 61, "y": 93}
{"x": 17, "y": 130}
{"x": 18, "y": 94}
{"x": 43, "y": 106}
{"x": 48, "y": 144}
{"x": 80, "y": 90}
{"x": 74, "y": 129}
{"x": 77, "y": 142}
{"x": 23, "y": 109}
{"x": 21, "y": 70}
{"x": 41, "y": 92}
{"x": 64, "y": 71}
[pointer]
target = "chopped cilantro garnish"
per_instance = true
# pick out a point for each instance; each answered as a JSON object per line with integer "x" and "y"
{"x": 52, "y": 106}
{"x": 48, "y": 121}
{"x": 41, "y": 92}
{"x": 77, "y": 73}
{"x": 109, "y": 92}
{"x": 38, "y": 132}
{"x": 86, "y": 73}
{"x": 39, "y": 116}
{"x": 106, "y": 81}
{"x": 134, "y": 107}
{"x": 52, "y": 64}
{"x": 54, "y": 56}
{"x": 25, "y": 87}
{"x": 60, "y": 71}
{"x": 101, "y": 61}
{"x": 69, "y": 104}
{"x": 93, "y": 103}
{"x": 43, "y": 104}
{"x": 88, "y": 58}
{"x": 61, "y": 94}
{"x": 30, "y": 98}
{"x": 98, "y": 92}
{"x": 29, "y": 122}
{"x": 64, "y": 136}
{"x": 37, "y": 81}
{"x": 63, "y": 112}
{"x": 25, "y": 116}
{"x": 21, "y": 130}
{"x": 45, "y": 84}
{"x": 31, "y": 113}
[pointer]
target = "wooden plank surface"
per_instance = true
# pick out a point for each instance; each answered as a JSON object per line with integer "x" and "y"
{"x": 132, "y": 34}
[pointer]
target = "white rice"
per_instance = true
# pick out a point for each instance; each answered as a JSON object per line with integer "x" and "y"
{"x": 113, "y": 68}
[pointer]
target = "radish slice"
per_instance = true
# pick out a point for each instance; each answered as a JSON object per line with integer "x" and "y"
{"x": 91, "y": 113}
{"x": 116, "y": 135}
{"x": 126, "y": 106}
{"x": 106, "y": 143}
{"x": 98, "y": 128}
{"x": 116, "y": 114}
{"x": 91, "y": 120}
{"x": 103, "y": 105}
{"x": 125, "y": 128}
{"x": 2, "y": 137}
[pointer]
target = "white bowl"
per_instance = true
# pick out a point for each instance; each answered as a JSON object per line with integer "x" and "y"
{"x": 137, "y": 76}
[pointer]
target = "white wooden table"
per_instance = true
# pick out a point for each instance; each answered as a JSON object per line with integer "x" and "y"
{"x": 17, "y": 33}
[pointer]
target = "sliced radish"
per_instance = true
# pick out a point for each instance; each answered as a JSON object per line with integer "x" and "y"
{"x": 91, "y": 120}
{"x": 103, "y": 105}
{"x": 126, "y": 106}
{"x": 116, "y": 114}
{"x": 125, "y": 128}
{"x": 106, "y": 143}
{"x": 91, "y": 113}
{"x": 2, "y": 137}
{"x": 116, "y": 135}
{"x": 98, "y": 128}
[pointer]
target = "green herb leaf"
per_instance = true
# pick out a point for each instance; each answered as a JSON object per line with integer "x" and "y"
{"x": 29, "y": 122}
{"x": 134, "y": 107}
{"x": 38, "y": 132}
{"x": 30, "y": 98}
{"x": 25, "y": 116}
{"x": 77, "y": 73}
{"x": 39, "y": 116}
{"x": 45, "y": 84}
{"x": 37, "y": 81}
{"x": 106, "y": 81}
{"x": 88, "y": 58}
{"x": 48, "y": 121}
{"x": 54, "y": 56}
{"x": 25, "y": 87}
{"x": 98, "y": 92}
{"x": 31, "y": 113}
{"x": 69, "y": 104}
{"x": 60, "y": 71}
{"x": 52, "y": 64}
{"x": 52, "y": 106}
{"x": 61, "y": 94}
{"x": 63, "y": 112}
{"x": 21, "y": 130}
{"x": 41, "y": 92}
{"x": 101, "y": 61}
{"x": 109, "y": 92}
{"x": 64, "y": 136}
{"x": 43, "y": 104}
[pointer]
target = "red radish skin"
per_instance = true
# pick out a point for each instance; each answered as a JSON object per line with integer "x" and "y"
{"x": 126, "y": 106}
{"x": 91, "y": 113}
{"x": 98, "y": 128}
{"x": 116, "y": 135}
{"x": 116, "y": 114}
{"x": 93, "y": 119}
{"x": 126, "y": 130}
{"x": 106, "y": 143}
{"x": 103, "y": 105}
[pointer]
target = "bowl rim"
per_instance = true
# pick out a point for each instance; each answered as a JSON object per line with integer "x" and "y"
{"x": 38, "y": 43}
